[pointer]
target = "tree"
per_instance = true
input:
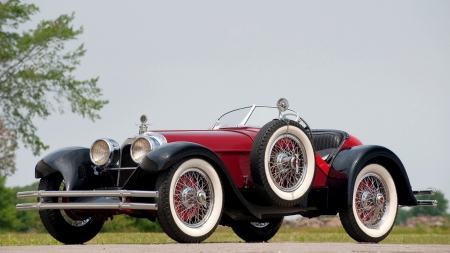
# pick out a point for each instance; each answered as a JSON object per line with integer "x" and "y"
{"x": 8, "y": 212}
{"x": 36, "y": 75}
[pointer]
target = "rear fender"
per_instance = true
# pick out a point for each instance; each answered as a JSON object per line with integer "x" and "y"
{"x": 67, "y": 161}
{"x": 353, "y": 160}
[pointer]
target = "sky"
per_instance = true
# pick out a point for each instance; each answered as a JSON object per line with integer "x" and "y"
{"x": 379, "y": 70}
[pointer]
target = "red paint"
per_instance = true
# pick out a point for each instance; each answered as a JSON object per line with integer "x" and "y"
{"x": 322, "y": 170}
{"x": 352, "y": 141}
{"x": 233, "y": 145}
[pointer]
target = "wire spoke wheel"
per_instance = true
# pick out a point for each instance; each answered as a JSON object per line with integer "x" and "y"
{"x": 374, "y": 207}
{"x": 66, "y": 226}
{"x": 193, "y": 197}
{"x": 191, "y": 200}
{"x": 68, "y": 215}
{"x": 282, "y": 162}
{"x": 372, "y": 200}
{"x": 257, "y": 231}
{"x": 287, "y": 163}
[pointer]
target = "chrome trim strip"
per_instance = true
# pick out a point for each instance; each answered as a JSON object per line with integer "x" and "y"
{"x": 425, "y": 192}
{"x": 427, "y": 202}
{"x": 99, "y": 193}
{"x": 120, "y": 206}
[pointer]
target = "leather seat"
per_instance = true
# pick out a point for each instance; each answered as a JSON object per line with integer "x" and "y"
{"x": 327, "y": 142}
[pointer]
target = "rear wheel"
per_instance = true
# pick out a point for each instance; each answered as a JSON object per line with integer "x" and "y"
{"x": 190, "y": 201}
{"x": 374, "y": 205}
{"x": 66, "y": 226}
{"x": 261, "y": 231}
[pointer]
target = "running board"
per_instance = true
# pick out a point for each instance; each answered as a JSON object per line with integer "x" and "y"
{"x": 88, "y": 201}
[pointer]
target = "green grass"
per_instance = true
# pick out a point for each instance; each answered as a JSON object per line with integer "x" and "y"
{"x": 399, "y": 235}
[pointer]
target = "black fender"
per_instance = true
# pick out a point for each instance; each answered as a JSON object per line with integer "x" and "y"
{"x": 166, "y": 155}
{"x": 353, "y": 160}
{"x": 66, "y": 161}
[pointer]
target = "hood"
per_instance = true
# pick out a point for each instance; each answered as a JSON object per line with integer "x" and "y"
{"x": 221, "y": 140}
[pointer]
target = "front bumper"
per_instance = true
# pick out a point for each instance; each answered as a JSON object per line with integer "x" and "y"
{"x": 95, "y": 199}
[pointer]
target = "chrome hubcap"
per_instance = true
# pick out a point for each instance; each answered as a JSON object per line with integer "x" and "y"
{"x": 366, "y": 200}
{"x": 201, "y": 197}
{"x": 187, "y": 197}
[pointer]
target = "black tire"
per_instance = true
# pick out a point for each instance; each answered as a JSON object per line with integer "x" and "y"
{"x": 282, "y": 162}
{"x": 374, "y": 205}
{"x": 190, "y": 200}
{"x": 261, "y": 231}
{"x": 64, "y": 225}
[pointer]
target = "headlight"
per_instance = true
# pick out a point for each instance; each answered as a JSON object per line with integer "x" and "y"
{"x": 105, "y": 152}
{"x": 145, "y": 143}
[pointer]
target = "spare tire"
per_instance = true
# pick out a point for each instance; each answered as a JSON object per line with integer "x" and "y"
{"x": 282, "y": 162}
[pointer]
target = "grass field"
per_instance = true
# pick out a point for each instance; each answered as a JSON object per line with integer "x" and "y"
{"x": 399, "y": 235}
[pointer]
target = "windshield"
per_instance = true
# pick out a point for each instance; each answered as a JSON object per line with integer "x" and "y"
{"x": 250, "y": 116}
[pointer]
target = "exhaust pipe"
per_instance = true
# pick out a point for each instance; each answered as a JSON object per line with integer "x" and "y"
{"x": 425, "y": 192}
{"x": 427, "y": 202}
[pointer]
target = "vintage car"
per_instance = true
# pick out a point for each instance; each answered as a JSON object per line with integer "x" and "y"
{"x": 255, "y": 165}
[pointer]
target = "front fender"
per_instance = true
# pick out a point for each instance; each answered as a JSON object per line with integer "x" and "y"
{"x": 67, "y": 161}
{"x": 353, "y": 160}
{"x": 166, "y": 155}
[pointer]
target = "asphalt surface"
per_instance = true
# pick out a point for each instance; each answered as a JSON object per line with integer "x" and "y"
{"x": 230, "y": 247}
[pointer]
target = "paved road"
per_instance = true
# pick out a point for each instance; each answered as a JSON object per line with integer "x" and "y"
{"x": 230, "y": 247}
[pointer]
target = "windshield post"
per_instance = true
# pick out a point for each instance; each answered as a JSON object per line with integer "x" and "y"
{"x": 244, "y": 121}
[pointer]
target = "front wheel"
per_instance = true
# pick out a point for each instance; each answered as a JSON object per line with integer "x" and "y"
{"x": 261, "y": 231}
{"x": 191, "y": 200}
{"x": 374, "y": 205}
{"x": 66, "y": 226}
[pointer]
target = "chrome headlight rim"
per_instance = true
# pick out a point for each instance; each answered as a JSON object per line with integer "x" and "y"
{"x": 151, "y": 144}
{"x": 154, "y": 140}
{"x": 113, "y": 152}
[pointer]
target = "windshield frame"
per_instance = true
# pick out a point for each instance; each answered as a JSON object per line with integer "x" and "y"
{"x": 248, "y": 115}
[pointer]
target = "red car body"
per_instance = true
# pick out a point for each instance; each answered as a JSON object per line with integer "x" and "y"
{"x": 233, "y": 145}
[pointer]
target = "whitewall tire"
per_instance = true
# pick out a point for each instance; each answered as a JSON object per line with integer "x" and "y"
{"x": 374, "y": 205}
{"x": 190, "y": 201}
{"x": 282, "y": 162}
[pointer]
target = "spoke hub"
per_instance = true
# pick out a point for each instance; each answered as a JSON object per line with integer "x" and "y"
{"x": 283, "y": 160}
{"x": 367, "y": 200}
{"x": 188, "y": 197}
